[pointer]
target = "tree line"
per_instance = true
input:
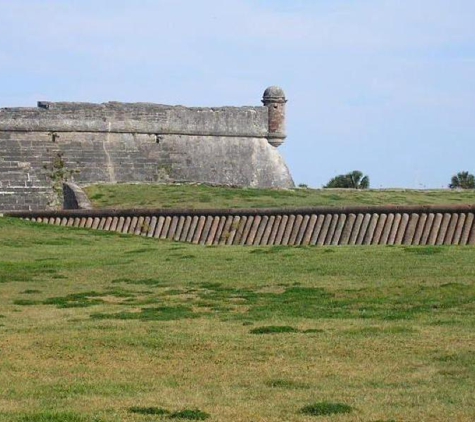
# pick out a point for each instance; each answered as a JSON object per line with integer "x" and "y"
{"x": 356, "y": 180}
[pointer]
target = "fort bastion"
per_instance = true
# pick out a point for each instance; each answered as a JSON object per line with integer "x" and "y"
{"x": 138, "y": 142}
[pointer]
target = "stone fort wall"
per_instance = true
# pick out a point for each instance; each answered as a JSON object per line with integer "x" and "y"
{"x": 138, "y": 142}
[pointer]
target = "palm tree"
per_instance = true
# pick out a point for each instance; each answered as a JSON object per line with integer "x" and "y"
{"x": 463, "y": 180}
{"x": 352, "y": 180}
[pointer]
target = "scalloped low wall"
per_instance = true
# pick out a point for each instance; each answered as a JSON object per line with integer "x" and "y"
{"x": 414, "y": 225}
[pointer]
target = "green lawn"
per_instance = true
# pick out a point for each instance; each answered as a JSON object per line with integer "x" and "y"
{"x": 202, "y": 196}
{"x": 96, "y": 326}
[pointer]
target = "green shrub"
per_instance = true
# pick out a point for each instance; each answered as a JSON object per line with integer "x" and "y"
{"x": 352, "y": 180}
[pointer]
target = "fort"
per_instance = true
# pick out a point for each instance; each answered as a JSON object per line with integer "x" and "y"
{"x": 138, "y": 142}
{"x": 42, "y": 148}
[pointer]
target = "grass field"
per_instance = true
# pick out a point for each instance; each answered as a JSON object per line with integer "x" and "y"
{"x": 202, "y": 196}
{"x": 96, "y": 326}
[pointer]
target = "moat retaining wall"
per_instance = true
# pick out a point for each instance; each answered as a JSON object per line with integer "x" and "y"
{"x": 397, "y": 225}
{"x": 139, "y": 142}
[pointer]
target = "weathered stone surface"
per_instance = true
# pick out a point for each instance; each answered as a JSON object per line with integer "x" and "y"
{"x": 274, "y": 100}
{"x": 75, "y": 198}
{"x": 326, "y": 226}
{"x": 147, "y": 143}
{"x": 136, "y": 118}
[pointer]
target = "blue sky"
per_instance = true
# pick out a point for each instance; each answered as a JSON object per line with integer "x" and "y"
{"x": 383, "y": 86}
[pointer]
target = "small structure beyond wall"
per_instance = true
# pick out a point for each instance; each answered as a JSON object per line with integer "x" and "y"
{"x": 138, "y": 142}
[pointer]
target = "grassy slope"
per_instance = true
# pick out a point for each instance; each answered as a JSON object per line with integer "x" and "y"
{"x": 93, "y": 324}
{"x": 201, "y": 196}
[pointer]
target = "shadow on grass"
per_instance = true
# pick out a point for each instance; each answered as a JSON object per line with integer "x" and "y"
{"x": 161, "y": 313}
{"x": 186, "y": 414}
{"x": 56, "y": 417}
{"x": 325, "y": 409}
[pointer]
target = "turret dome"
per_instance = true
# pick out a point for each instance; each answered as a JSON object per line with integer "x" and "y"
{"x": 273, "y": 93}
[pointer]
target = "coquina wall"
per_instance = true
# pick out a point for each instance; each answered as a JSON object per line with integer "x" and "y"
{"x": 414, "y": 225}
{"x": 148, "y": 143}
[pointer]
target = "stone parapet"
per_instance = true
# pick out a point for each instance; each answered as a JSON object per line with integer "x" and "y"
{"x": 143, "y": 118}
